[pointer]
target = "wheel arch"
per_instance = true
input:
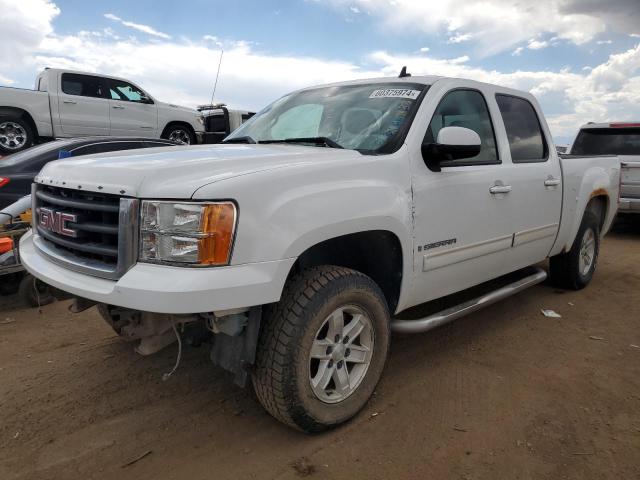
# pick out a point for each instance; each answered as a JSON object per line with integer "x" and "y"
{"x": 178, "y": 123}
{"x": 376, "y": 253}
{"x": 23, "y": 114}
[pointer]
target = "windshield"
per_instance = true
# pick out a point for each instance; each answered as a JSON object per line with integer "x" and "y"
{"x": 366, "y": 117}
{"x": 607, "y": 141}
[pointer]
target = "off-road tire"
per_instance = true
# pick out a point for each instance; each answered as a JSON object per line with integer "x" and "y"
{"x": 281, "y": 376}
{"x": 564, "y": 270}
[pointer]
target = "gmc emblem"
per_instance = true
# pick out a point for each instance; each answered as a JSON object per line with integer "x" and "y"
{"x": 57, "y": 221}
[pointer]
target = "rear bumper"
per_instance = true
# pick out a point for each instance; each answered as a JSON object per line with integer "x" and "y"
{"x": 166, "y": 289}
{"x": 629, "y": 205}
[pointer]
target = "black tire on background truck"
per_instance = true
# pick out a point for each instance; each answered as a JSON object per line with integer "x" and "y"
{"x": 322, "y": 348}
{"x": 574, "y": 269}
{"x": 180, "y": 134}
{"x": 15, "y": 134}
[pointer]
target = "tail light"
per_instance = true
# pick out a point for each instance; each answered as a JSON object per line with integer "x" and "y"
{"x": 4, "y": 181}
{"x": 624, "y": 125}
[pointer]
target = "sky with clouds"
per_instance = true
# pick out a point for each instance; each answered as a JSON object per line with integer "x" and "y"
{"x": 581, "y": 58}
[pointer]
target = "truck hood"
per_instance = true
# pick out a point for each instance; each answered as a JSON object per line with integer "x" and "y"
{"x": 177, "y": 172}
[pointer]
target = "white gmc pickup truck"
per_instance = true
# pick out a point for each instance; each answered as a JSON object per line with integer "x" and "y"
{"x": 72, "y": 104}
{"x": 303, "y": 240}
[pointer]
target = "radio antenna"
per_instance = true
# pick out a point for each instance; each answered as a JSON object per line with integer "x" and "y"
{"x": 217, "y": 74}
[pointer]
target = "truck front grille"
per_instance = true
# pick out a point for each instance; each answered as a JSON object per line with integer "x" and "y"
{"x": 94, "y": 233}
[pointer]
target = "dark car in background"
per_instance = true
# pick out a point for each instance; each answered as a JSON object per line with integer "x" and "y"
{"x": 18, "y": 170}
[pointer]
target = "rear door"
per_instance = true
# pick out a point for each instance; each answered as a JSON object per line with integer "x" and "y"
{"x": 82, "y": 106}
{"x": 536, "y": 179}
{"x": 132, "y": 112}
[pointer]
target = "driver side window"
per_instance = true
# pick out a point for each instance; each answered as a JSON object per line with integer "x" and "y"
{"x": 119, "y": 90}
{"x": 468, "y": 109}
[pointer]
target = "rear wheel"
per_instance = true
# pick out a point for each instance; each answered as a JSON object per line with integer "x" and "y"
{"x": 574, "y": 269}
{"x": 322, "y": 348}
{"x": 15, "y": 134}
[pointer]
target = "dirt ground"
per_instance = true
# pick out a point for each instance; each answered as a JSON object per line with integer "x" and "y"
{"x": 502, "y": 394}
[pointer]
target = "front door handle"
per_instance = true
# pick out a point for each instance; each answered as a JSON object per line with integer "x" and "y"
{"x": 70, "y": 102}
{"x": 551, "y": 182}
{"x": 119, "y": 107}
{"x": 496, "y": 189}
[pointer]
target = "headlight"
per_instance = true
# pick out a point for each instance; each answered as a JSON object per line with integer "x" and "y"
{"x": 200, "y": 119}
{"x": 187, "y": 232}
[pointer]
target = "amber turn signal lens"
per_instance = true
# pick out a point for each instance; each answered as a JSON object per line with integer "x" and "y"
{"x": 218, "y": 222}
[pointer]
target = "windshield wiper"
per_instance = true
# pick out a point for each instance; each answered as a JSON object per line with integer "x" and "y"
{"x": 244, "y": 139}
{"x": 326, "y": 141}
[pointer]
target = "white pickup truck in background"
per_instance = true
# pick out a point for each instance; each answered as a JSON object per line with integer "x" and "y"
{"x": 298, "y": 244}
{"x": 71, "y": 104}
{"x": 617, "y": 138}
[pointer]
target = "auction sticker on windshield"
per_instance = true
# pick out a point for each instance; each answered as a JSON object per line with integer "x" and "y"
{"x": 395, "y": 93}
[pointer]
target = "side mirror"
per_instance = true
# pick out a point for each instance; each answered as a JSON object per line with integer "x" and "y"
{"x": 145, "y": 99}
{"x": 453, "y": 143}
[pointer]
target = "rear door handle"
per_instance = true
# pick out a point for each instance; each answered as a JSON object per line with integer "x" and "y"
{"x": 552, "y": 182}
{"x": 496, "y": 189}
{"x": 119, "y": 107}
{"x": 70, "y": 102}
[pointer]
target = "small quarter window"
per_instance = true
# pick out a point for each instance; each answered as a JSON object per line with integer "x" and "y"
{"x": 526, "y": 140}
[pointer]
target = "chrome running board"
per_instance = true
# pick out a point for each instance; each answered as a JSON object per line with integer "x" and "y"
{"x": 445, "y": 316}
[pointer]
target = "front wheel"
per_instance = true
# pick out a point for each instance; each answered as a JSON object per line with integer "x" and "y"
{"x": 180, "y": 134}
{"x": 575, "y": 268}
{"x": 322, "y": 349}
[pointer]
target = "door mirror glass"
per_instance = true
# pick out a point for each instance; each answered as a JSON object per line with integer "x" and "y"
{"x": 452, "y": 143}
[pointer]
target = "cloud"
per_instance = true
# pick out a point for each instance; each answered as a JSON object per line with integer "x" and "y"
{"x": 459, "y": 38}
{"x": 137, "y": 26}
{"x": 424, "y": 49}
{"x": 537, "y": 44}
{"x": 252, "y": 77}
{"x": 517, "y": 52}
{"x": 604, "y": 42}
{"x": 500, "y": 25}
{"x": 23, "y": 25}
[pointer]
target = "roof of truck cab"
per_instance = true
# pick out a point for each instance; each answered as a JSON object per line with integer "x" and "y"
{"x": 625, "y": 124}
{"x": 79, "y": 72}
{"x": 425, "y": 80}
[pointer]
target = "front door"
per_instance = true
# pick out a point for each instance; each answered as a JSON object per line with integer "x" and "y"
{"x": 82, "y": 108}
{"x": 132, "y": 112}
{"x": 462, "y": 219}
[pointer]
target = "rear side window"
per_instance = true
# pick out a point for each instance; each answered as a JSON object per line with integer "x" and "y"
{"x": 524, "y": 132}
{"x": 607, "y": 141}
{"x": 247, "y": 116}
{"x": 82, "y": 85}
